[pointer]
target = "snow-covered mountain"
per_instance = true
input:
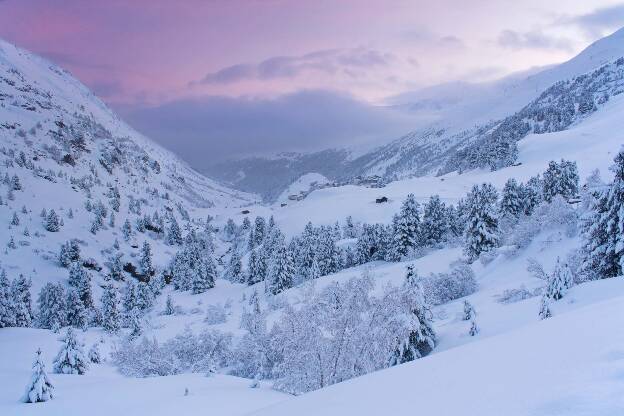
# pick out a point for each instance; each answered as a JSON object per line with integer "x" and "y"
{"x": 465, "y": 117}
{"x": 69, "y": 151}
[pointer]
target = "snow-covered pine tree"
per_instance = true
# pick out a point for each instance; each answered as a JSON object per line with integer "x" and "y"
{"x": 407, "y": 228}
{"x": 70, "y": 359}
{"x": 170, "y": 308}
{"x": 126, "y": 230}
{"x": 205, "y": 273}
{"x": 40, "y": 389}
{"x": 349, "y": 230}
{"x": 70, "y": 252}
{"x": 234, "y": 271}
{"x": 422, "y": 336}
{"x": 52, "y": 308}
{"x": 434, "y": 226}
{"x": 533, "y": 194}
{"x": 110, "y": 309}
{"x": 512, "y": 199}
{"x": 80, "y": 280}
{"x": 7, "y": 303}
{"x": 474, "y": 329}
{"x": 469, "y": 311}
{"x": 134, "y": 323}
{"x": 560, "y": 179}
{"x": 257, "y": 268}
{"x": 20, "y": 290}
{"x": 282, "y": 270}
{"x": 94, "y": 354}
{"x": 15, "y": 219}
{"x": 76, "y": 312}
{"x": 544, "y": 312}
{"x": 259, "y": 231}
{"x": 482, "y": 223}
{"x": 559, "y": 281}
{"x": 145, "y": 263}
{"x": 174, "y": 234}
{"x": 603, "y": 229}
{"x": 52, "y": 223}
{"x": 116, "y": 267}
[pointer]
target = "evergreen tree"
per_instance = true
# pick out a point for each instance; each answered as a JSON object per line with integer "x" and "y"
{"x": 205, "y": 275}
{"x": 40, "y": 389}
{"x": 257, "y": 268}
{"x": 174, "y": 234}
{"x": 559, "y": 281}
{"x": 116, "y": 267}
{"x": 434, "y": 223}
{"x": 110, "y": 309}
{"x": 15, "y": 220}
{"x": 76, "y": 312}
{"x": 145, "y": 263}
{"x": 70, "y": 359}
{"x": 20, "y": 291}
{"x": 126, "y": 230}
{"x": 407, "y": 227}
{"x": 561, "y": 179}
{"x": 52, "y": 223}
{"x": 94, "y": 354}
{"x": 603, "y": 230}
{"x": 469, "y": 311}
{"x": 512, "y": 199}
{"x": 80, "y": 280}
{"x": 422, "y": 337}
{"x": 533, "y": 193}
{"x": 259, "y": 231}
{"x": 348, "y": 230}
{"x": 134, "y": 322}
{"x": 7, "y": 303}
{"x": 482, "y": 223}
{"x": 169, "y": 306}
{"x": 474, "y": 329}
{"x": 544, "y": 312}
{"x": 235, "y": 269}
{"x": 282, "y": 270}
{"x": 52, "y": 307}
{"x": 70, "y": 252}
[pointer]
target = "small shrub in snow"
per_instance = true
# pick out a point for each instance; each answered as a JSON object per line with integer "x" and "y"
{"x": 444, "y": 287}
{"x": 517, "y": 295}
{"x": 70, "y": 359}
{"x": 216, "y": 314}
{"x": 143, "y": 358}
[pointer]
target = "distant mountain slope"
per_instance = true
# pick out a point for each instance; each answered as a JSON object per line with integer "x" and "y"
{"x": 470, "y": 117}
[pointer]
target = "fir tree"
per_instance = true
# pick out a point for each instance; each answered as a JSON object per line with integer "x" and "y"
{"x": 76, "y": 312}
{"x": 7, "y": 303}
{"x": 434, "y": 223}
{"x": 205, "y": 275}
{"x": 512, "y": 199}
{"x": 532, "y": 194}
{"x": 348, "y": 230}
{"x": 474, "y": 329}
{"x": 52, "y": 307}
{"x": 169, "y": 306}
{"x": 52, "y": 222}
{"x": 482, "y": 228}
{"x": 603, "y": 229}
{"x": 174, "y": 234}
{"x": 20, "y": 290}
{"x": 235, "y": 269}
{"x": 544, "y": 312}
{"x": 40, "y": 389}
{"x": 469, "y": 311}
{"x": 282, "y": 270}
{"x": 407, "y": 227}
{"x": 134, "y": 322}
{"x": 94, "y": 354}
{"x": 145, "y": 263}
{"x": 257, "y": 268}
{"x": 422, "y": 337}
{"x": 126, "y": 230}
{"x": 80, "y": 280}
{"x": 561, "y": 179}
{"x": 15, "y": 220}
{"x": 559, "y": 281}
{"x": 70, "y": 359}
{"x": 110, "y": 309}
{"x": 70, "y": 252}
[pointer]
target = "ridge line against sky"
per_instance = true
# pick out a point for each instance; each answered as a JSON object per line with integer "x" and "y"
{"x": 283, "y": 75}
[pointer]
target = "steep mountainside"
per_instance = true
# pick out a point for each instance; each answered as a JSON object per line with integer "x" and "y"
{"x": 62, "y": 149}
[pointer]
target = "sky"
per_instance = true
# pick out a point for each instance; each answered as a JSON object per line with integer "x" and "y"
{"x": 213, "y": 79}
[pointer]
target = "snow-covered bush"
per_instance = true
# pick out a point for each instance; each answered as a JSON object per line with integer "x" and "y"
{"x": 444, "y": 287}
{"x": 207, "y": 351}
{"x": 71, "y": 358}
{"x": 216, "y": 314}
{"x": 556, "y": 214}
{"x": 516, "y": 295}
